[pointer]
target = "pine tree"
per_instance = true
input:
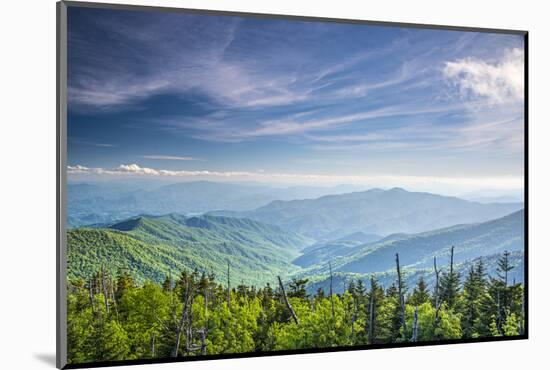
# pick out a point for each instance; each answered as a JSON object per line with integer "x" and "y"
{"x": 500, "y": 293}
{"x": 124, "y": 282}
{"x": 320, "y": 294}
{"x": 373, "y": 302}
{"x": 167, "y": 284}
{"x": 504, "y": 267}
{"x": 298, "y": 288}
{"x": 474, "y": 294}
{"x": 450, "y": 285}
{"x": 420, "y": 293}
{"x": 360, "y": 289}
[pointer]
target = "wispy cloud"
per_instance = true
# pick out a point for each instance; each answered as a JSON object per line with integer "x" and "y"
{"x": 283, "y": 92}
{"x": 168, "y": 158}
{"x": 229, "y": 129}
{"x": 195, "y": 62}
{"x": 90, "y": 143}
{"x": 499, "y": 82}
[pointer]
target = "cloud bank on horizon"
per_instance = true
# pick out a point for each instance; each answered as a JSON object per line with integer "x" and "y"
{"x": 224, "y": 97}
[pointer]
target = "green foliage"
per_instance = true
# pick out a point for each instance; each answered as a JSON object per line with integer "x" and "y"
{"x": 317, "y": 328}
{"x": 119, "y": 319}
{"x": 447, "y": 327}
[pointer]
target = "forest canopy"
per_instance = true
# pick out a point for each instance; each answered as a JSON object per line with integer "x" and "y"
{"x": 116, "y": 318}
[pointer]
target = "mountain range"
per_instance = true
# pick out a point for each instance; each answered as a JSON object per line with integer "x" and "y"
{"x": 359, "y": 233}
{"x": 416, "y": 251}
{"x": 104, "y": 203}
{"x": 375, "y": 211}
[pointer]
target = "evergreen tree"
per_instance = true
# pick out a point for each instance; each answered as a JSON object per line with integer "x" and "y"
{"x": 475, "y": 291}
{"x": 124, "y": 282}
{"x": 375, "y": 318}
{"x": 320, "y": 294}
{"x": 420, "y": 293}
{"x": 450, "y": 285}
{"x": 360, "y": 289}
{"x": 167, "y": 284}
{"x": 298, "y": 288}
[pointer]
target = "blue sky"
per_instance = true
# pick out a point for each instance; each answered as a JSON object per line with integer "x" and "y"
{"x": 186, "y": 97}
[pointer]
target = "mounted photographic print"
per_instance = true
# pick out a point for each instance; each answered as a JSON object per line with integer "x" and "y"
{"x": 237, "y": 185}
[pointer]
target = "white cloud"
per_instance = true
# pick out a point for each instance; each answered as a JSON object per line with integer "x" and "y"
{"x": 375, "y": 180}
{"x": 134, "y": 169}
{"x": 498, "y": 82}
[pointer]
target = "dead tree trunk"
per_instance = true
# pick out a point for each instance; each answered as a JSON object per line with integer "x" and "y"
{"x": 92, "y": 302}
{"x": 228, "y": 287}
{"x": 153, "y": 346}
{"x": 189, "y": 331}
{"x": 520, "y": 324}
{"x": 288, "y": 305}
{"x": 371, "y": 311}
{"x": 400, "y": 292}
{"x": 113, "y": 299}
{"x": 331, "y": 299}
{"x": 506, "y": 270}
{"x": 182, "y": 321}
{"x": 104, "y": 287}
{"x": 499, "y": 313}
{"x": 353, "y": 316}
{"x": 202, "y": 332}
{"x": 415, "y": 326}
{"x": 452, "y": 259}
{"x": 436, "y": 291}
{"x": 205, "y": 302}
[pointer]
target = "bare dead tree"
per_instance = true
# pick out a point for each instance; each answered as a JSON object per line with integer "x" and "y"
{"x": 436, "y": 291}
{"x": 331, "y": 299}
{"x": 371, "y": 310}
{"x": 499, "y": 313}
{"x": 112, "y": 292}
{"x": 353, "y": 316}
{"x": 228, "y": 287}
{"x": 288, "y": 305}
{"x": 97, "y": 285}
{"x": 415, "y": 325}
{"x": 183, "y": 319}
{"x": 202, "y": 333}
{"x": 506, "y": 254}
{"x": 452, "y": 259}
{"x": 91, "y": 290}
{"x": 104, "y": 287}
{"x": 520, "y": 323}
{"x": 400, "y": 292}
{"x": 189, "y": 331}
{"x": 206, "y": 294}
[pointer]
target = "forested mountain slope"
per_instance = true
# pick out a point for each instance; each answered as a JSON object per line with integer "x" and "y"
{"x": 486, "y": 240}
{"x": 152, "y": 247}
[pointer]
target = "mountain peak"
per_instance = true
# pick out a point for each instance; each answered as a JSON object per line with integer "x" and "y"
{"x": 128, "y": 225}
{"x": 398, "y": 190}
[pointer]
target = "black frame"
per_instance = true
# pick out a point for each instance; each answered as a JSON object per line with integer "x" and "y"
{"x": 61, "y": 155}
